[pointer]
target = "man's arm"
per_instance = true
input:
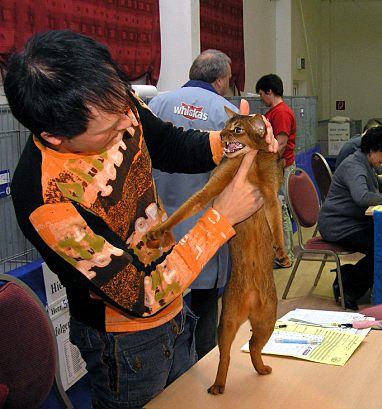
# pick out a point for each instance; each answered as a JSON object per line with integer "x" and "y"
{"x": 172, "y": 149}
{"x": 116, "y": 274}
{"x": 282, "y": 139}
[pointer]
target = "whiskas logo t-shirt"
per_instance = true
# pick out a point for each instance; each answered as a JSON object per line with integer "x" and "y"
{"x": 190, "y": 112}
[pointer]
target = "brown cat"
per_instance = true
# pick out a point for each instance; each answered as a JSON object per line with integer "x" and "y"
{"x": 250, "y": 292}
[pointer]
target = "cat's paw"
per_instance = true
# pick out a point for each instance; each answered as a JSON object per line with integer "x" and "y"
{"x": 157, "y": 238}
{"x": 216, "y": 389}
{"x": 285, "y": 262}
{"x": 266, "y": 370}
{"x": 283, "y": 259}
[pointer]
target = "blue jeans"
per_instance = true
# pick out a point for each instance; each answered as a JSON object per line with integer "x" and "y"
{"x": 129, "y": 369}
{"x": 204, "y": 303}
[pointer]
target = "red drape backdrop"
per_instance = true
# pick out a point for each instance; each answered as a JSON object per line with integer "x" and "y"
{"x": 129, "y": 28}
{"x": 221, "y": 27}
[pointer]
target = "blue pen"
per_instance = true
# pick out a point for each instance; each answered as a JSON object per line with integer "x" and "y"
{"x": 296, "y": 341}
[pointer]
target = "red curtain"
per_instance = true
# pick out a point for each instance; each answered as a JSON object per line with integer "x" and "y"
{"x": 221, "y": 27}
{"x": 129, "y": 28}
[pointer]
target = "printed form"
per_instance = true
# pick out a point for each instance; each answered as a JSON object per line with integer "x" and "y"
{"x": 310, "y": 335}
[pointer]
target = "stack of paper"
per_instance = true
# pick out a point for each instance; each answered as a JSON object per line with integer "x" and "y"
{"x": 316, "y": 336}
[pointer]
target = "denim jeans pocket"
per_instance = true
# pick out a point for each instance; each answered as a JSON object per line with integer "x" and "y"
{"x": 147, "y": 364}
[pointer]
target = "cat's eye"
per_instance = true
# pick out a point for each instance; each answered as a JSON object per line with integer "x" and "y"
{"x": 238, "y": 130}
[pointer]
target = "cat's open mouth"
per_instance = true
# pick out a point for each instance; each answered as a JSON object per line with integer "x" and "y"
{"x": 232, "y": 147}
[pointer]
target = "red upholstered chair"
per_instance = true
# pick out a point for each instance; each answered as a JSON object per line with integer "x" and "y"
{"x": 28, "y": 348}
{"x": 322, "y": 175}
{"x": 3, "y": 394}
{"x": 302, "y": 200}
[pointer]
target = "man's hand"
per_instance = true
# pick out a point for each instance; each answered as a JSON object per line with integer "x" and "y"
{"x": 244, "y": 107}
{"x": 273, "y": 145}
{"x": 271, "y": 140}
{"x": 240, "y": 199}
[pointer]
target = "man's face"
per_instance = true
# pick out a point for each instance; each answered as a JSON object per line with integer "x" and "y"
{"x": 266, "y": 97}
{"x": 102, "y": 129}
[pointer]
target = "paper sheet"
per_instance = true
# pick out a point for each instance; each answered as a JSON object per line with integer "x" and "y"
{"x": 335, "y": 349}
{"x": 291, "y": 349}
{"x": 327, "y": 318}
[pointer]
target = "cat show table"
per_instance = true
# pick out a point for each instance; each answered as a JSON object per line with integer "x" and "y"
{"x": 294, "y": 383}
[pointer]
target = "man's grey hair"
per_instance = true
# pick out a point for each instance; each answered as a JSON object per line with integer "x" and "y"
{"x": 209, "y": 66}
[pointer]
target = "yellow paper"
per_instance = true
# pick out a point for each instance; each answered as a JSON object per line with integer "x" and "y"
{"x": 335, "y": 349}
{"x": 378, "y": 208}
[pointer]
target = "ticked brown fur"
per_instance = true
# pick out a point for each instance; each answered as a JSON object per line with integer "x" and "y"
{"x": 250, "y": 292}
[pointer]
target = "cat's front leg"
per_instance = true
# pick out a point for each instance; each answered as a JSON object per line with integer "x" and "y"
{"x": 161, "y": 235}
{"x": 219, "y": 179}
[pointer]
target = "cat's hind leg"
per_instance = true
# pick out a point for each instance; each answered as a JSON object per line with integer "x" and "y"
{"x": 234, "y": 313}
{"x": 262, "y": 322}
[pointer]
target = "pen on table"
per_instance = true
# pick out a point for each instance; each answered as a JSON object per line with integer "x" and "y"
{"x": 296, "y": 341}
{"x": 360, "y": 324}
{"x": 277, "y": 326}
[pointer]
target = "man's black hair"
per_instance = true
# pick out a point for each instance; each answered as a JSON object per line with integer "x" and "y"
{"x": 59, "y": 75}
{"x": 372, "y": 140}
{"x": 270, "y": 82}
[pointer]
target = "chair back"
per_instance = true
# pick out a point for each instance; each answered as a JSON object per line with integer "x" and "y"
{"x": 28, "y": 348}
{"x": 322, "y": 174}
{"x": 302, "y": 200}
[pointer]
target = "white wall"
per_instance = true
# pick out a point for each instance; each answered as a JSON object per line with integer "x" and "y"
{"x": 340, "y": 41}
{"x": 307, "y": 44}
{"x": 259, "y": 41}
{"x": 180, "y": 33}
{"x": 180, "y": 41}
{"x": 352, "y": 35}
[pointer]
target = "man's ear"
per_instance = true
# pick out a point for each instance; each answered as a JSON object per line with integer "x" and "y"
{"x": 52, "y": 140}
{"x": 217, "y": 84}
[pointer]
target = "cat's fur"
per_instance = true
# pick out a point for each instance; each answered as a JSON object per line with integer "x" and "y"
{"x": 250, "y": 292}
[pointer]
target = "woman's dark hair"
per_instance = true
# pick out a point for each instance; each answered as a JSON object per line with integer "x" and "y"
{"x": 59, "y": 75}
{"x": 372, "y": 140}
{"x": 371, "y": 123}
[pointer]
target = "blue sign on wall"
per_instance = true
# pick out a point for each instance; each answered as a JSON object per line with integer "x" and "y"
{"x": 5, "y": 182}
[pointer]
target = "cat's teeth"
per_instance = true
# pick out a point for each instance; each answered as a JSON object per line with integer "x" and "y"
{"x": 233, "y": 146}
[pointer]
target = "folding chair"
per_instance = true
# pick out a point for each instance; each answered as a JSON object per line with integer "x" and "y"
{"x": 302, "y": 200}
{"x": 322, "y": 175}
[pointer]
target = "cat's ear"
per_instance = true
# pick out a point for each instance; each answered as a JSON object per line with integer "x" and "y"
{"x": 258, "y": 124}
{"x": 229, "y": 112}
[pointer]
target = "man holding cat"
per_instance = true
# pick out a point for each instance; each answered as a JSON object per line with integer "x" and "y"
{"x": 84, "y": 196}
{"x": 270, "y": 88}
{"x": 199, "y": 104}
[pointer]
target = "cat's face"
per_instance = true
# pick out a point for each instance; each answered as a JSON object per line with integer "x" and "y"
{"x": 242, "y": 134}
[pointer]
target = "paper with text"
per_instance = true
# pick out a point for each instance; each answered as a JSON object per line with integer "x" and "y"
{"x": 335, "y": 349}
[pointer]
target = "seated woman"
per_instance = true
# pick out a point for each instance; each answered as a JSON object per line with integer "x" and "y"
{"x": 355, "y": 186}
